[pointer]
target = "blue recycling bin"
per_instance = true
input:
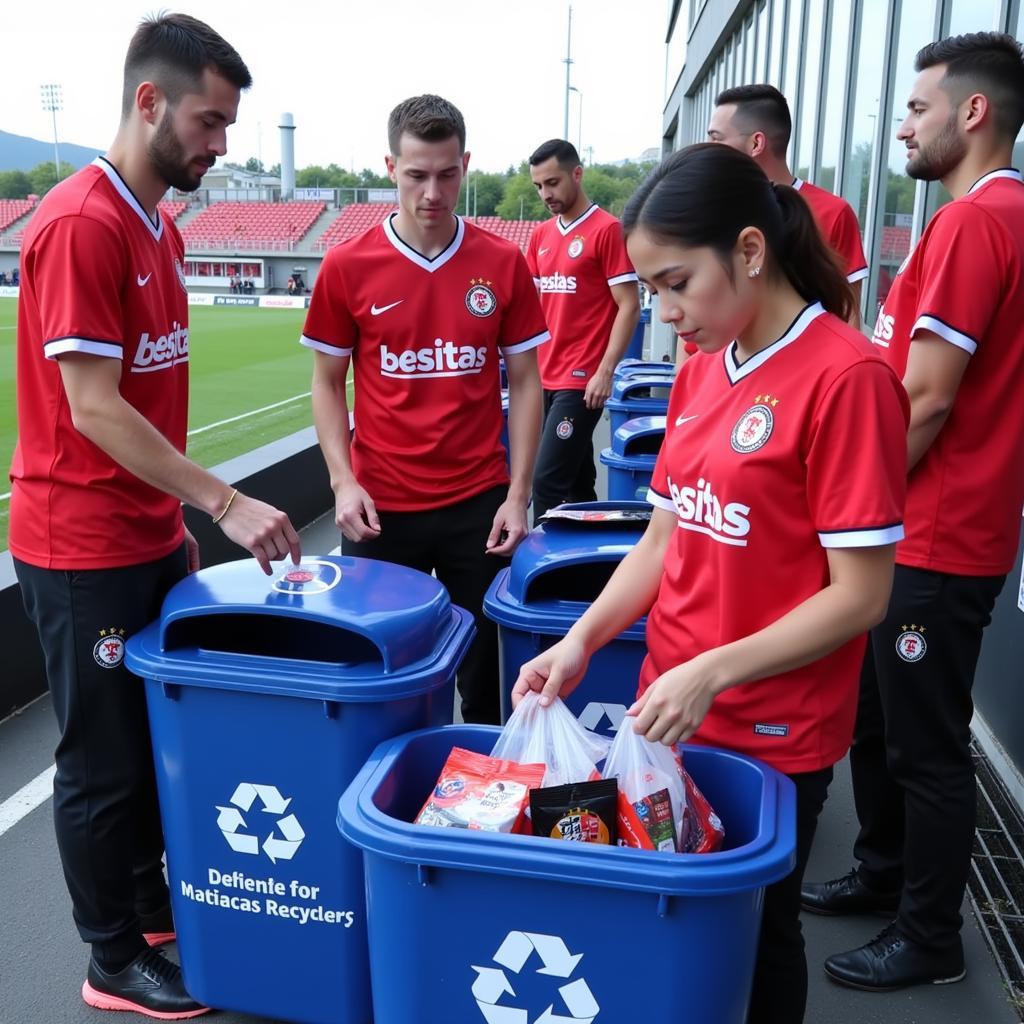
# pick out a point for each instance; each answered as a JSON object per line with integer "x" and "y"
{"x": 555, "y": 574}
{"x": 643, "y": 368}
{"x": 265, "y": 698}
{"x": 635, "y": 349}
{"x": 472, "y": 926}
{"x": 634, "y": 396}
{"x": 631, "y": 457}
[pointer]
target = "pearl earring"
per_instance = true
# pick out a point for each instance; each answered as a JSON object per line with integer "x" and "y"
{"x": 754, "y": 272}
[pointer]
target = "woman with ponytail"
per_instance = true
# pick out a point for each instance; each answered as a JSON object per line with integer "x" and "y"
{"x": 778, "y": 500}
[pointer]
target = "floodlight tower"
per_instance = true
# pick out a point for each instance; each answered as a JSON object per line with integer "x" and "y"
{"x": 52, "y": 102}
{"x": 568, "y": 68}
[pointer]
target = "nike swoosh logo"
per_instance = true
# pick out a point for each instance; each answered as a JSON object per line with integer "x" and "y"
{"x": 141, "y": 281}
{"x": 541, "y": 252}
{"x": 680, "y": 420}
{"x": 376, "y": 310}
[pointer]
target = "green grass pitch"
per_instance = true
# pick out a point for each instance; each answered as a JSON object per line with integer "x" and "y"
{"x": 240, "y": 360}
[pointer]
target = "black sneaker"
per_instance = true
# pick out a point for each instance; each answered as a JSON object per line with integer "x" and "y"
{"x": 158, "y": 927}
{"x": 891, "y": 961}
{"x": 150, "y": 985}
{"x": 847, "y": 895}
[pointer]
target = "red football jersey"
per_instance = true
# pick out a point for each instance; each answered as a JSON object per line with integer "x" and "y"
{"x": 574, "y": 266}
{"x": 97, "y": 276}
{"x": 766, "y": 464}
{"x": 424, "y": 336}
{"x": 964, "y": 281}
{"x": 838, "y": 225}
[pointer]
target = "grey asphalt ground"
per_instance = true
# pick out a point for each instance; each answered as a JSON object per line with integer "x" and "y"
{"x": 42, "y": 961}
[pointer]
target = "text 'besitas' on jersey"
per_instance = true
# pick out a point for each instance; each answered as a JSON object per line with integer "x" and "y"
{"x": 964, "y": 281}
{"x": 424, "y": 336}
{"x": 766, "y": 465}
{"x": 98, "y": 277}
{"x": 838, "y": 226}
{"x": 574, "y": 265}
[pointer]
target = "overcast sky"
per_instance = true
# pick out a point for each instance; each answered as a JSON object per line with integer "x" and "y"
{"x": 339, "y": 67}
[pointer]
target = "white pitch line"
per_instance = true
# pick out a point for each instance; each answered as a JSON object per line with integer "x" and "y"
{"x": 27, "y": 799}
{"x": 253, "y": 412}
{"x": 230, "y": 419}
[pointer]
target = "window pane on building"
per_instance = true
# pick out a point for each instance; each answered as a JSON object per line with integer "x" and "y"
{"x": 809, "y": 90}
{"x": 973, "y": 16}
{"x": 832, "y": 115}
{"x": 778, "y": 41}
{"x": 791, "y": 72}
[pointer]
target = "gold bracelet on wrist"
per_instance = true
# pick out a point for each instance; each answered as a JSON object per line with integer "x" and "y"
{"x": 224, "y": 511}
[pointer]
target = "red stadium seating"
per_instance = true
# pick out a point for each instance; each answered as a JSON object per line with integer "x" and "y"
{"x": 172, "y": 209}
{"x": 12, "y": 210}
{"x": 895, "y": 244}
{"x": 251, "y": 225}
{"x": 357, "y": 217}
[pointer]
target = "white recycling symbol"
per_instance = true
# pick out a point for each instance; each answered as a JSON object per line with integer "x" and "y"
{"x": 231, "y": 820}
{"x": 594, "y": 714}
{"x": 492, "y": 982}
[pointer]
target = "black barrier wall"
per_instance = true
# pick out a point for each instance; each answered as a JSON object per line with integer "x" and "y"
{"x": 289, "y": 474}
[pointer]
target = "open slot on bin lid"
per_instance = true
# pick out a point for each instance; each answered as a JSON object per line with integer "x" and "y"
{"x": 650, "y": 387}
{"x": 640, "y": 436}
{"x": 346, "y": 611}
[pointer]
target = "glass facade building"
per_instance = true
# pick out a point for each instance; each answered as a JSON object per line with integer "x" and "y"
{"x": 846, "y": 68}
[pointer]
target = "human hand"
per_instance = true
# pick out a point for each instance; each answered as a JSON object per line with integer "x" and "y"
{"x": 264, "y": 531}
{"x": 671, "y": 709}
{"x": 555, "y": 672}
{"x": 599, "y": 387}
{"x": 355, "y": 513}
{"x": 508, "y": 529}
{"x": 191, "y": 552}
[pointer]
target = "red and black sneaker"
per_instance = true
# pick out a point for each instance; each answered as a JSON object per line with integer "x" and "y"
{"x": 150, "y": 985}
{"x": 158, "y": 927}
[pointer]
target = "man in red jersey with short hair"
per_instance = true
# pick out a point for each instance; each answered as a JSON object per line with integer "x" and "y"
{"x": 99, "y": 477}
{"x": 422, "y": 306}
{"x": 755, "y": 119}
{"x": 590, "y": 296}
{"x": 951, "y": 327}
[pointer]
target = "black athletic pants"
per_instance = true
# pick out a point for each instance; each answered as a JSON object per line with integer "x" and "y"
{"x": 565, "y": 469}
{"x": 450, "y": 541}
{"x": 104, "y": 793}
{"x": 913, "y": 780}
{"x": 779, "y": 994}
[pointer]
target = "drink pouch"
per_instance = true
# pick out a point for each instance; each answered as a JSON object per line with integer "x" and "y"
{"x": 478, "y": 792}
{"x": 582, "y": 812}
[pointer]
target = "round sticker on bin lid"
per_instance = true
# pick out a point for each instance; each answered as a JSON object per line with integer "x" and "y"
{"x": 310, "y": 576}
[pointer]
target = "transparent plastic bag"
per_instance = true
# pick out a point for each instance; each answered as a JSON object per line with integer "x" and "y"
{"x": 651, "y": 789}
{"x": 552, "y": 736}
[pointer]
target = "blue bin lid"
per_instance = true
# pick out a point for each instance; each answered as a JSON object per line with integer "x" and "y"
{"x": 648, "y": 392}
{"x": 640, "y": 463}
{"x": 643, "y": 368}
{"x": 767, "y": 858}
{"x": 626, "y": 436}
{"x": 557, "y": 545}
{"x": 383, "y": 623}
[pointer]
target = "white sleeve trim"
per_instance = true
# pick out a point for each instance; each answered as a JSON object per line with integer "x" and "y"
{"x": 622, "y": 279}
{"x": 322, "y": 346}
{"x": 857, "y": 275}
{"x": 875, "y": 538}
{"x": 660, "y": 501}
{"x": 950, "y": 334}
{"x": 109, "y": 349}
{"x": 525, "y": 346}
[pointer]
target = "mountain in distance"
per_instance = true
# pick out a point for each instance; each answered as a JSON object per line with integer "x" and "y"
{"x": 19, "y": 153}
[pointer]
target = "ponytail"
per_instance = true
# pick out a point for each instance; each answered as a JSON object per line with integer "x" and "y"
{"x": 812, "y": 267}
{"x": 706, "y": 194}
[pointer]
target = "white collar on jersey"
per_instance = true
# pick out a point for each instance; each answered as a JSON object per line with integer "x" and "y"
{"x": 1003, "y": 172}
{"x": 157, "y": 229}
{"x": 736, "y": 371}
{"x": 417, "y": 257}
{"x": 798, "y": 183}
{"x": 566, "y": 228}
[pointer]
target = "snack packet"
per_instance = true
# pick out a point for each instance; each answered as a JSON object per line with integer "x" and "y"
{"x": 582, "y": 812}
{"x": 702, "y": 830}
{"x": 475, "y": 791}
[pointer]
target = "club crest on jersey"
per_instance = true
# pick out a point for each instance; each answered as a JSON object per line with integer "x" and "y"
{"x": 755, "y": 426}
{"x": 480, "y": 300}
{"x": 575, "y": 247}
{"x": 911, "y": 644}
{"x": 564, "y": 430}
{"x": 180, "y": 271}
{"x": 108, "y": 651}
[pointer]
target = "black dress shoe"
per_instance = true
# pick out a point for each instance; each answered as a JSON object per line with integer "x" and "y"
{"x": 893, "y": 961}
{"x": 150, "y": 985}
{"x": 847, "y": 895}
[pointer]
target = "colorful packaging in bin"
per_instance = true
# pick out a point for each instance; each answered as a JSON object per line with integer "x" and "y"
{"x": 478, "y": 792}
{"x": 702, "y": 831}
{"x": 581, "y": 812}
